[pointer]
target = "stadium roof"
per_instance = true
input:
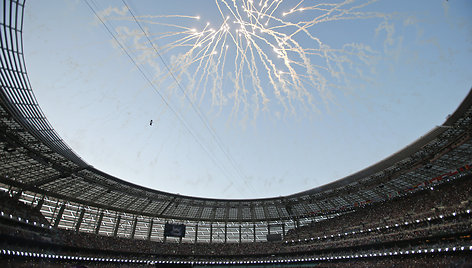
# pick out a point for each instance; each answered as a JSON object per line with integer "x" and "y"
{"x": 35, "y": 158}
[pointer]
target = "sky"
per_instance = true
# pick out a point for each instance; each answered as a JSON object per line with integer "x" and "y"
{"x": 247, "y": 100}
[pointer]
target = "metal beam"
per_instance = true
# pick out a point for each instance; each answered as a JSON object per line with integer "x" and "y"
{"x": 117, "y": 225}
{"x": 226, "y": 232}
{"x": 151, "y": 222}
{"x": 168, "y": 205}
{"x": 46, "y": 180}
{"x": 240, "y": 234}
{"x": 283, "y": 230}
{"x": 99, "y": 223}
{"x": 211, "y": 232}
{"x": 146, "y": 205}
{"x": 132, "y": 202}
{"x": 133, "y": 228}
{"x": 59, "y": 215}
{"x": 79, "y": 220}
{"x": 40, "y": 204}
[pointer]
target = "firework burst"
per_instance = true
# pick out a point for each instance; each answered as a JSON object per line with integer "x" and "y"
{"x": 260, "y": 54}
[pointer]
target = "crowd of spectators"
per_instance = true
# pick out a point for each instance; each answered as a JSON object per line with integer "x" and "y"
{"x": 11, "y": 207}
{"x": 443, "y": 199}
{"x": 437, "y": 254}
{"x": 441, "y": 212}
{"x": 429, "y": 213}
{"x": 404, "y": 261}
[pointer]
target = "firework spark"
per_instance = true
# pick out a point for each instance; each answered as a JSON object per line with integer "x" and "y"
{"x": 261, "y": 53}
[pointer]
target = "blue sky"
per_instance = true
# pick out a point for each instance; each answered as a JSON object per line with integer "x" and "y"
{"x": 392, "y": 71}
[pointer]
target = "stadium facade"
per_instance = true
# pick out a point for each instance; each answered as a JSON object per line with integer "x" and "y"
{"x": 39, "y": 169}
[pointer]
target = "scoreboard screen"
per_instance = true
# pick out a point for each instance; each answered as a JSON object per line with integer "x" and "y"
{"x": 175, "y": 230}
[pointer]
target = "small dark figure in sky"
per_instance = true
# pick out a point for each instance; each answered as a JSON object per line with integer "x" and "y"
{"x": 150, "y": 123}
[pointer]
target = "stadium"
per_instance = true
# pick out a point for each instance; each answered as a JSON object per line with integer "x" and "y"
{"x": 412, "y": 208}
